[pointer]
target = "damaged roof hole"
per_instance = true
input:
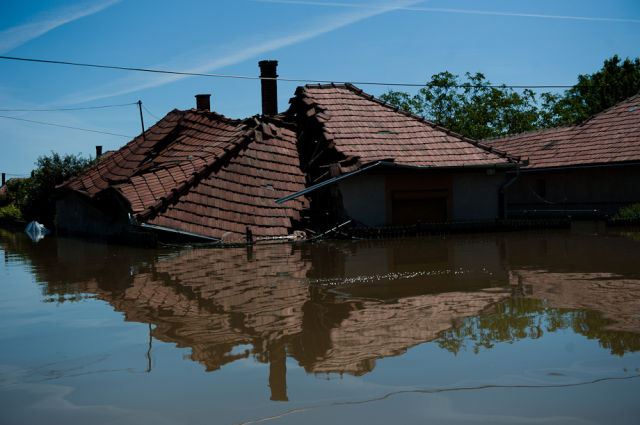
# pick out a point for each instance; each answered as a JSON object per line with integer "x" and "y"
{"x": 384, "y": 132}
{"x": 633, "y": 109}
{"x": 550, "y": 144}
{"x": 267, "y": 186}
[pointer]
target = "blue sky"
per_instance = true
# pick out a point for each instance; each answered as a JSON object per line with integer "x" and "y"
{"x": 523, "y": 42}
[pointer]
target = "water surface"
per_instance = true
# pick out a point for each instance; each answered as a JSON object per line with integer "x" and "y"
{"x": 536, "y": 327}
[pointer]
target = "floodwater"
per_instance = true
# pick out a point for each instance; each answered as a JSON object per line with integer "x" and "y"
{"x": 525, "y": 328}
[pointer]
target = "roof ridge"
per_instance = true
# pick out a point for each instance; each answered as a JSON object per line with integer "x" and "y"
{"x": 216, "y": 115}
{"x": 528, "y": 132}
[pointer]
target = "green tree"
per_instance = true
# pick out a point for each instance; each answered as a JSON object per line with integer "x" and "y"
{"x": 35, "y": 195}
{"x": 471, "y": 107}
{"x": 475, "y": 109}
{"x": 616, "y": 81}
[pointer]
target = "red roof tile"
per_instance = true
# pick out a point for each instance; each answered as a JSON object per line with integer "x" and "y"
{"x": 202, "y": 173}
{"x": 364, "y": 127}
{"x": 608, "y": 137}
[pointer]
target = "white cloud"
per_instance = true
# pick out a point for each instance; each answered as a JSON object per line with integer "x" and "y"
{"x": 18, "y": 35}
{"x": 205, "y": 64}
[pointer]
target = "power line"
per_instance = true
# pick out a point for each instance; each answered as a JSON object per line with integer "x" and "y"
{"x": 296, "y": 80}
{"x": 66, "y": 126}
{"x": 68, "y": 109}
{"x": 150, "y": 113}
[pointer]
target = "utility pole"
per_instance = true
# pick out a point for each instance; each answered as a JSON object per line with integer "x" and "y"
{"x": 141, "y": 120}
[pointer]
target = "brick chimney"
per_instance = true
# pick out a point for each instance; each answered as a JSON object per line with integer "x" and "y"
{"x": 98, "y": 151}
{"x": 203, "y": 102}
{"x": 269, "y": 87}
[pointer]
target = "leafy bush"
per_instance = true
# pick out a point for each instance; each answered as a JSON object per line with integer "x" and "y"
{"x": 10, "y": 212}
{"x": 631, "y": 212}
{"x": 35, "y": 196}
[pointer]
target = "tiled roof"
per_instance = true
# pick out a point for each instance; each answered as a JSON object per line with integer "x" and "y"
{"x": 610, "y": 136}
{"x": 359, "y": 125}
{"x": 202, "y": 173}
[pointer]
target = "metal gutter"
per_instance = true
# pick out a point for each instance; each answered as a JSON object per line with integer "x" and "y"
{"x": 327, "y": 182}
{"x": 179, "y": 232}
{"x": 392, "y": 165}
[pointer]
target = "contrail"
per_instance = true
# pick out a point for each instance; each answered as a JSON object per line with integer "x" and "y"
{"x": 18, "y": 35}
{"x": 459, "y": 11}
{"x": 251, "y": 50}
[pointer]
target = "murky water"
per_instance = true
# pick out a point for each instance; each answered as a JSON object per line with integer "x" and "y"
{"x": 539, "y": 327}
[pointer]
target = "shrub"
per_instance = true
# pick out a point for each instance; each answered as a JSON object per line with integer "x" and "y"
{"x": 631, "y": 212}
{"x": 35, "y": 196}
{"x": 10, "y": 212}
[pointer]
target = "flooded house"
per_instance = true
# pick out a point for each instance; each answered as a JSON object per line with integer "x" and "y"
{"x": 588, "y": 169}
{"x": 194, "y": 174}
{"x": 336, "y": 155}
{"x": 368, "y": 161}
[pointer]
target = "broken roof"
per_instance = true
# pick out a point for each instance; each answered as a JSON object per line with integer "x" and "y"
{"x": 612, "y": 136}
{"x": 199, "y": 172}
{"x": 360, "y": 126}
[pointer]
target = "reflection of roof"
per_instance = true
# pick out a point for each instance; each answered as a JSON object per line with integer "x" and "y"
{"x": 213, "y": 300}
{"x": 359, "y": 125}
{"x": 378, "y": 329}
{"x": 200, "y": 172}
{"x": 618, "y": 299}
{"x": 610, "y": 136}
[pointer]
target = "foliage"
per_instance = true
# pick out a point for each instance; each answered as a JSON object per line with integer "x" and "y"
{"x": 34, "y": 196}
{"x": 10, "y": 212}
{"x": 473, "y": 108}
{"x": 616, "y": 81}
{"x": 631, "y": 212}
{"x": 528, "y": 318}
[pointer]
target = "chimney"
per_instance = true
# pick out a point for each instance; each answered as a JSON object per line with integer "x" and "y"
{"x": 4, "y": 179}
{"x": 269, "y": 87}
{"x": 98, "y": 151}
{"x": 203, "y": 102}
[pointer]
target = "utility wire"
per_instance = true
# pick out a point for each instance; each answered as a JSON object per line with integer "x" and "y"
{"x": 150, "y": 113}
{"x": 66, "y": 126}
{"x": 296, "y": 80}
{"x": 68, "y": 109}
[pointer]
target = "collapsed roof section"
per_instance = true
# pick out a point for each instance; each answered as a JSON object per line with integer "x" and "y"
{"x": 360, "y": 129}
{"x": 610, "y": 137}
{"x": 196, "y": 171}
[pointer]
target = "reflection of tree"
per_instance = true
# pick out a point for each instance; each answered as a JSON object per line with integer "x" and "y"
{"x": 528, "y": 318}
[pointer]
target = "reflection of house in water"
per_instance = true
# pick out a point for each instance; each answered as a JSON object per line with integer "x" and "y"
{"x": 338, "y": 307}
{"x": 297, "y": 300}
{"x": 618, "y": 298}
{"x": 581, "y": 272}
